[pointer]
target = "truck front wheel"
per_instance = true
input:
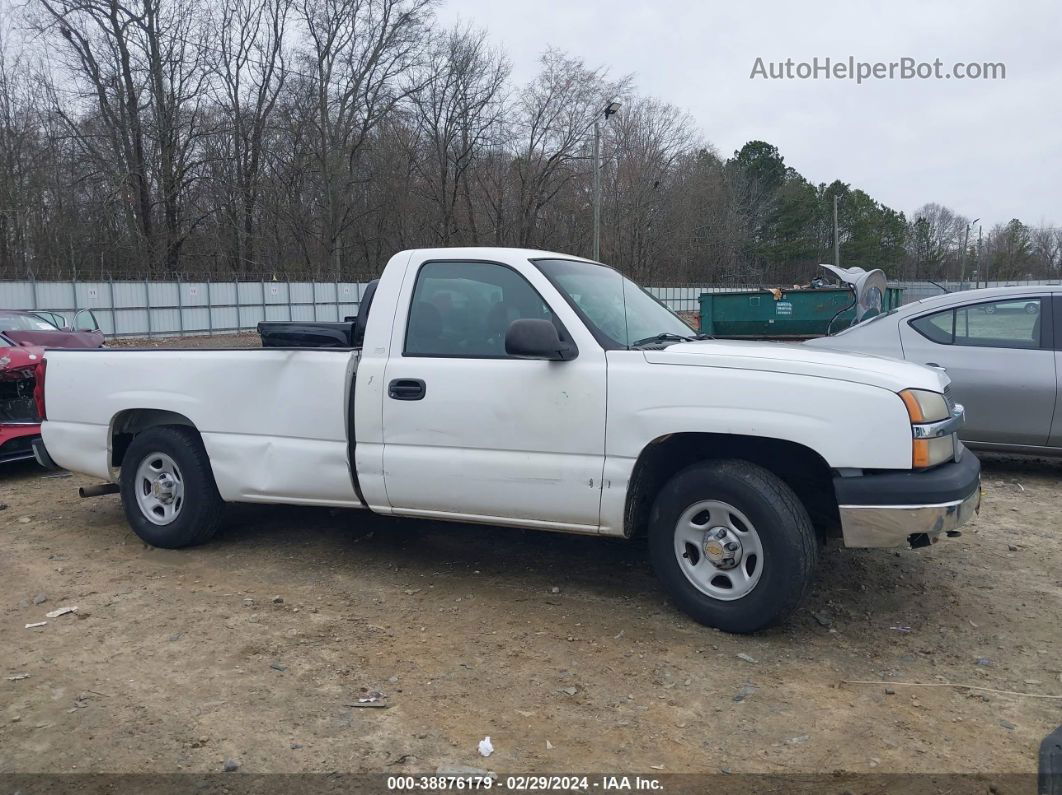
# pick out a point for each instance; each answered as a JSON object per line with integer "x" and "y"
{"x": 732, "y": 544}
{"x": 168, "y": 488}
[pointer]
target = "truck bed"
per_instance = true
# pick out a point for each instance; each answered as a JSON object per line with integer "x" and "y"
{"x": 274, "y": 421}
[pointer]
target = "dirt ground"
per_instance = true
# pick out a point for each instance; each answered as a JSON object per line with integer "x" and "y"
{"x": 562, "y": 649}
{"x": 242, "y": 340}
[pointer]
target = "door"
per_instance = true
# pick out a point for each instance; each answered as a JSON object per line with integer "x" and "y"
{"x": 473, "y": 433}
{"x": 1002, "y": 366}
{"x": 1056, "y": 426}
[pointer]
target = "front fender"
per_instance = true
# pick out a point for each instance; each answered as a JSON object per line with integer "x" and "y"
{"x": 848, "y": 424}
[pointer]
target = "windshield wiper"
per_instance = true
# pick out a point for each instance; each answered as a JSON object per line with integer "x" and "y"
{"x": 665, "y": 337}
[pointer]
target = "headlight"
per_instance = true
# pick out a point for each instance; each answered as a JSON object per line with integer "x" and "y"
{"x": 925, "y": 406}
{"x": 932, "y": 444}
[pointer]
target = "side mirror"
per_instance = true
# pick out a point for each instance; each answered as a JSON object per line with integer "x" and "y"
{"x": 535, "y": 338}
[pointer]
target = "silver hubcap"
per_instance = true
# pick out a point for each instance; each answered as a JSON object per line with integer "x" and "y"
{"x": 718, "y": 550}
{"x": 159, "y": 488}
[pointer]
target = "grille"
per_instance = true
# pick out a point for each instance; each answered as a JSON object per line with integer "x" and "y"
{"x": 17, "y": 404}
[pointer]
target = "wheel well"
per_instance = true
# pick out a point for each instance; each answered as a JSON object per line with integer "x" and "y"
{"x": 802, "y": 469}
{"x": 127, "y": 424}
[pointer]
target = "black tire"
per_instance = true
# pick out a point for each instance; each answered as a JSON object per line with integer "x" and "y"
{"x": 199, "y": 516}
{"x": 780, "y": 521}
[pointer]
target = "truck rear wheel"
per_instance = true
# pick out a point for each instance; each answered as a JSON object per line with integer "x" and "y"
{"x": 732, "y": 544}
{"x": 168, "y": 489}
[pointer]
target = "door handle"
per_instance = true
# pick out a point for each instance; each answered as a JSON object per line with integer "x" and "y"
{"x": 406, "y": 389}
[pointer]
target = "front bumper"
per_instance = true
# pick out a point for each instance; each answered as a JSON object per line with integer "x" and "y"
{"x": 908, "y": 508}
{"x": 16, "y": 441}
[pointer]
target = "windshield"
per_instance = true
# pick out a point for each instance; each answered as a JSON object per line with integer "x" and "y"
{"x": 13, "y": 322}
{"x": 618, "y": 311}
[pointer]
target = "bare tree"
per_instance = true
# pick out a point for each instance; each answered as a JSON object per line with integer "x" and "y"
{"x": 250, "y": 63}
{"x": 647, "y": 141}
{"x": 18, "y": 134}
{"x": 312, "y": 137}
{"x": 1047, "y": 250}
{"x": 935, "y": 238}
{"x": 457, "y": 112}
{"x": 552, "y": 121}
{"x": 360, "y": 50}
{"x": 142, "y": 66}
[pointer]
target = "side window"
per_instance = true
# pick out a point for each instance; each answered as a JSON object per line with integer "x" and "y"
{"x": 938, "y": 327}
{"x": 463, "y": 309}
{"x": 1000, "y": 324}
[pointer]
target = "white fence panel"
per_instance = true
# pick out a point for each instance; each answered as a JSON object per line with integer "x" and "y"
{"x": 250, "y": 293}
{"x": 138, "y": 308}
{"x": 222, "y": 293}
{"x": 54, "y": 295}
{"x": 17, "y": 294}
{"x": 131, "y": 294}
{"x": 92, "y": 295}
{"x": 224, "y": 317}
{"x": 194, "y": 294}
{"x": 301, "y": 292}
{"x": 131, "y": 322}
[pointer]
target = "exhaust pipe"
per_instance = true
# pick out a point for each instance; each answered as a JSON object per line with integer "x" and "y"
{"x": 98, "y": 491}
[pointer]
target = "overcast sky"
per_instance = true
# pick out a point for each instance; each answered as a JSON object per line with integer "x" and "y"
{"x": 984, "y": 148}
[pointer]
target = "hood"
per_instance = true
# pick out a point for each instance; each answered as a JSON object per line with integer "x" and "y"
{"x": 18, "y": 360}
{"x": 57, "y": 339}
{"x": 796, "y": 359}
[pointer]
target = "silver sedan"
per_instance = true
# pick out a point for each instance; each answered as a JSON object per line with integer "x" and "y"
{"x": 1002, "y": 348}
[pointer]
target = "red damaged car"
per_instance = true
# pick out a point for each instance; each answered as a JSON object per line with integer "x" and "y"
{"x": 19, "y": 413}
{"x": 23, "y": 338}
{"x": 50, "y": 329}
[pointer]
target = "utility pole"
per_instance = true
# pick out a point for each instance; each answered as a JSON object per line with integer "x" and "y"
{"x": 609, "y": 110}
{"x": 597, "y": 190}
{"x": 836, "y": 236}
{"x": 980, "y": 260}
{"x": 962, "y": 255}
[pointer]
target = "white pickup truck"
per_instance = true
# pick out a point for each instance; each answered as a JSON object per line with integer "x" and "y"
{"x": 527, "y": 388}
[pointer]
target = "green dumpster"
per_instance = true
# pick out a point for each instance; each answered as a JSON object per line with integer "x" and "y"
{"x": 794, "y": 313}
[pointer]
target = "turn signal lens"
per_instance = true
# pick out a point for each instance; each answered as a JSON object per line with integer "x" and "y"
{"x": 930, "y": 452}
{"x": 925, "y": 406}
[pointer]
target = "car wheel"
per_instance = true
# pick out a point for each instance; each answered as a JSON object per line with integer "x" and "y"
{"x": 732, "y": 545}
{"x": 168, "y": 488}
{"x": 1032, "y": 308}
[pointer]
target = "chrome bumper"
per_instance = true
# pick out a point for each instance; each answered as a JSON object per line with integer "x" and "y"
{"x": 902, "y": 525}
